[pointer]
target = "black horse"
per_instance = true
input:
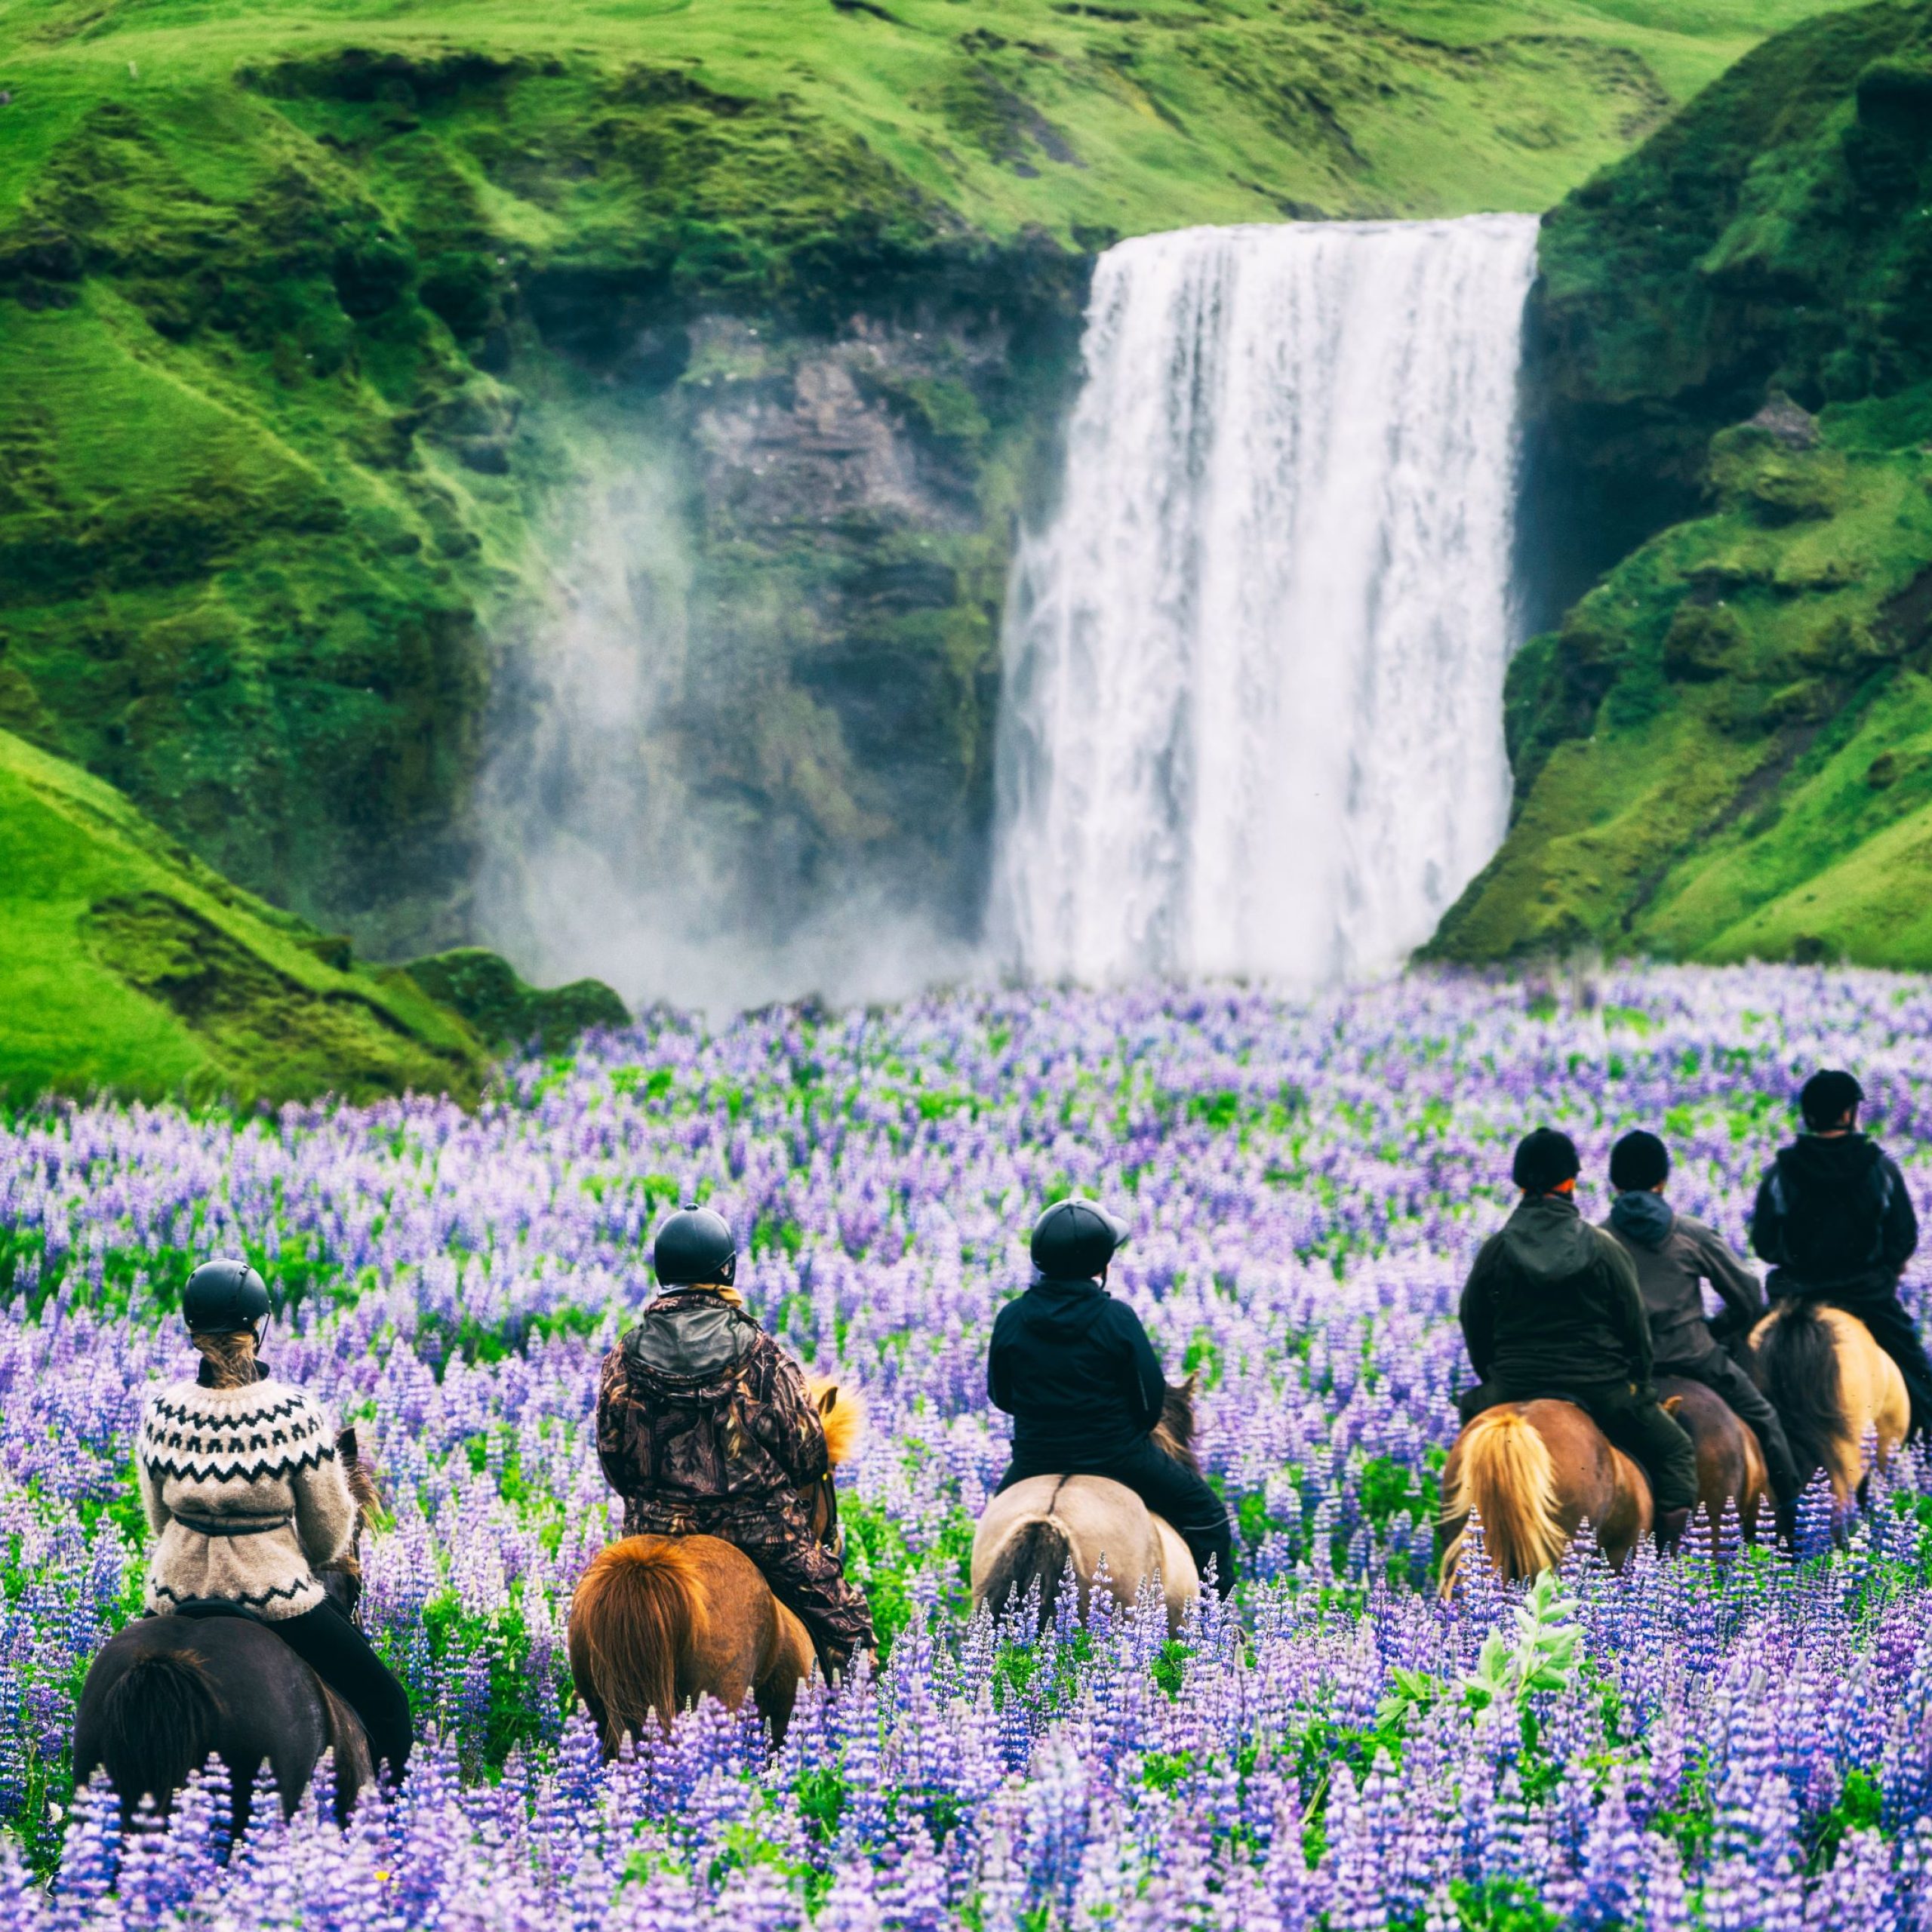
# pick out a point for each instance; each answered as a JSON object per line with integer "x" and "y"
{"x": 166, "y": 1692}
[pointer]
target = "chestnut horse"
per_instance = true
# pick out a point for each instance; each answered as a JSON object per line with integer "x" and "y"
{"x": 658, "y": 1622}
{"x": 1731, "y": 1460}
{"x": 166, "y": 1693}
{"x": 1030, "y": 1533}
{"x": 1833, "y": 1387}
{"x": 1535, "y": 1471}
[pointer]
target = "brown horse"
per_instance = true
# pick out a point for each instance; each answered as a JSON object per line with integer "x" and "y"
{"x": 658, "y": 1622}
{"x": 166, "y": 1693}
{"x": 1030, "y": 1533}
{"x": 1730, "y": 1462}
{"x": 1833, "y": 1389}
{"x": 1533, "y": 1471}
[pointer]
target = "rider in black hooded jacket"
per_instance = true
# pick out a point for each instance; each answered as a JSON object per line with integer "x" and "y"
{"x": 1552, "y": 1308}
{"x": 1075, "y": 1369}
{"x": 1834, "y": 1218}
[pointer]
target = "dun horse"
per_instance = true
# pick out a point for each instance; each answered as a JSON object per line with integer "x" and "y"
{"x": 1833, "y": 1387}
{"x": 166, "y": 1693}
{"x": 1030, "y": 1532}
{"x": 658, "y": 1622}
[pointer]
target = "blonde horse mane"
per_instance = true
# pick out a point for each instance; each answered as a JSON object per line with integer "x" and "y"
{"x": 843, "y": 1412}
{"x": 1505, "y": 1475}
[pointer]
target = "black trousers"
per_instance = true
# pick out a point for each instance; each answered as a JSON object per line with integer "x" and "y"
{"x": 1169, "y": 1488}
{"x": 1717, "y": 1371}
{"x": 331, "y": 1646}
{"x": 1878, "y": 1308}
{"x": 1635, "y": 1423}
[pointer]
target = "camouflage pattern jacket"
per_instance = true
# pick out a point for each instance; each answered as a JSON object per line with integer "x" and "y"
{"x": 702, "y": 1417}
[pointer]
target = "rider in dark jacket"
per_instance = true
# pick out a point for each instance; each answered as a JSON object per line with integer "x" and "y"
{"x": 1674, "y": 1256}
{"x": 705, "y": 1427}
{"x": 1551, "y": 1308}
{"x": 1835, "y": 1221}
{"x": 1075, "y": 1369}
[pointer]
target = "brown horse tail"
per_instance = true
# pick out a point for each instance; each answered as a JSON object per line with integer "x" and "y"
{"x": 1795, "y": 1362}
{"x": 157, "y": 1724}
{"x": 1037, "y": 1550}
{"x": 639, "y": 1607}
{"x": 1507, "y": 1477}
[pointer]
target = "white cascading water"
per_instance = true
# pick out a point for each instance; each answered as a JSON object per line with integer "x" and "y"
{"x": 1253, "y": 722}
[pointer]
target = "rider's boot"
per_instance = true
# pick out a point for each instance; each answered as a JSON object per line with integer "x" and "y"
{"x": 1670, "y": 1528}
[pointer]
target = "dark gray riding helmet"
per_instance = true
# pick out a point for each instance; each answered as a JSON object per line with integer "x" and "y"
{"x": 223, "y": 1297}
{"x": 1074, "y": 1241}
{"x": 694, "y": 1246}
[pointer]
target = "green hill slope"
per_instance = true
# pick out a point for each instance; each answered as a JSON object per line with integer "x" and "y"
{"x": 130, "y": 966}
{"x": 1726, "y": 751}
{"x": 312, "y": 315}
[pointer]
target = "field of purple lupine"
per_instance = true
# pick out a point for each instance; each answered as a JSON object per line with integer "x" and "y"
{"x": 1739, "y": 1738}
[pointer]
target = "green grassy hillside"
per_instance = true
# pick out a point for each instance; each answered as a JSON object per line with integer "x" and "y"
{"x": 132, "y": 966}
{"x": 306, "y": 311}
{"x": 1726, "y": 750}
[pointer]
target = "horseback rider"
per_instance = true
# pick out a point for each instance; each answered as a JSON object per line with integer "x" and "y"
{"x": 248, "y": 1498}
{"x": 1835, "y": 1221}
{"x": 705, "y": 1427}
{"x": 1552, "y": 1308}
{"x": 1674, "y": 1256}
{"x": 1074, "y": 1368}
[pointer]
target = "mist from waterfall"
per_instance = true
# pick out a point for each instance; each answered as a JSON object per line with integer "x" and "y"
{"x": 1252, "y": 717}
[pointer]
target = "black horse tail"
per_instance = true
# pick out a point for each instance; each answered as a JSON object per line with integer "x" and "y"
{"x": 157, "y": 1724}
{"x": 1797, "y": 1366}
{"x": 1036, "y": 1551}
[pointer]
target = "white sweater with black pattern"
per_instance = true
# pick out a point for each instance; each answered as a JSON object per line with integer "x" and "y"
{"x": 262, "y": 1459}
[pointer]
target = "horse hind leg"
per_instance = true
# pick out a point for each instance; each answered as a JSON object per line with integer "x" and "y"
{"x": 355, "y": 1768}
{"x": 786, "y": 1661}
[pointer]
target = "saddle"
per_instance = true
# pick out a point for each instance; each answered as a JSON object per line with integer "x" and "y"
{"x": 208, "y": 1607}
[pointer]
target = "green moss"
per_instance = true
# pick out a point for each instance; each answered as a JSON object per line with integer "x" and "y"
{"x": 499, "y": 1008}
{"x": 132, "y": 967}
{"x": 1718, "y": 762}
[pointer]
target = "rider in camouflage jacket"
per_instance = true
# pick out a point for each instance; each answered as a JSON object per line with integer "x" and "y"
{"x": 705, "y": 1427}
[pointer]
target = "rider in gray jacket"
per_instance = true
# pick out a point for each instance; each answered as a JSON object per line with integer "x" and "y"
{"x": 1674, "y": 1255}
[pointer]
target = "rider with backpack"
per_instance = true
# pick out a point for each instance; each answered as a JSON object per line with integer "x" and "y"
{"x": 705, "y": 1427}
{"x": 1835, "y": 1221}
{"x": 1074, "y": 1368}
{"x": 1674, "y": 1257}
{"x": 1551, "y": 1308}
{"x": 248, "y": 1498}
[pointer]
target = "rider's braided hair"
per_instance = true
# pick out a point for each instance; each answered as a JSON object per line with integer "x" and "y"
{"x": 231, "y": 1358}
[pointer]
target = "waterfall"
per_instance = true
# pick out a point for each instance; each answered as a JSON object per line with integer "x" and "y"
{"x": 1252, "y": 722}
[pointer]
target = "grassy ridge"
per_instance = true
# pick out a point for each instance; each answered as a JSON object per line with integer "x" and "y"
{"x": 305, "y": 310}
{"x": 1723, "y": 751}
{"x": 133, "y": 968}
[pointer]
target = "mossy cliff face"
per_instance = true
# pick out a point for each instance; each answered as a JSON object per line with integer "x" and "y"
{"x": 309, "y": 329}
{"x": 1722, "y": 753}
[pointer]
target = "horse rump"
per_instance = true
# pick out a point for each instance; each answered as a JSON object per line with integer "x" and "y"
{"x": 1795, "y": 1359}
{"x": 639, "y": 1605}
{"x": 1505, "y": 1473}
{"x": 1038, "y": 1551}
{"x": 159, "y": 1722}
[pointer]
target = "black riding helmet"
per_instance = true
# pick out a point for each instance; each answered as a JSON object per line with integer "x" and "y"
{"x": 1828, "y": 1096}
{"x": 223, "y": 1297}
{"x": 1074, "y": 1241}
{"x": 694, "y": 1246}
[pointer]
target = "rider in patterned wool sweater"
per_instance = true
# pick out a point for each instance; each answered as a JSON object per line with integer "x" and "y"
{"x": 704, "y": 1427}
{"x": 248, "y": 1498}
